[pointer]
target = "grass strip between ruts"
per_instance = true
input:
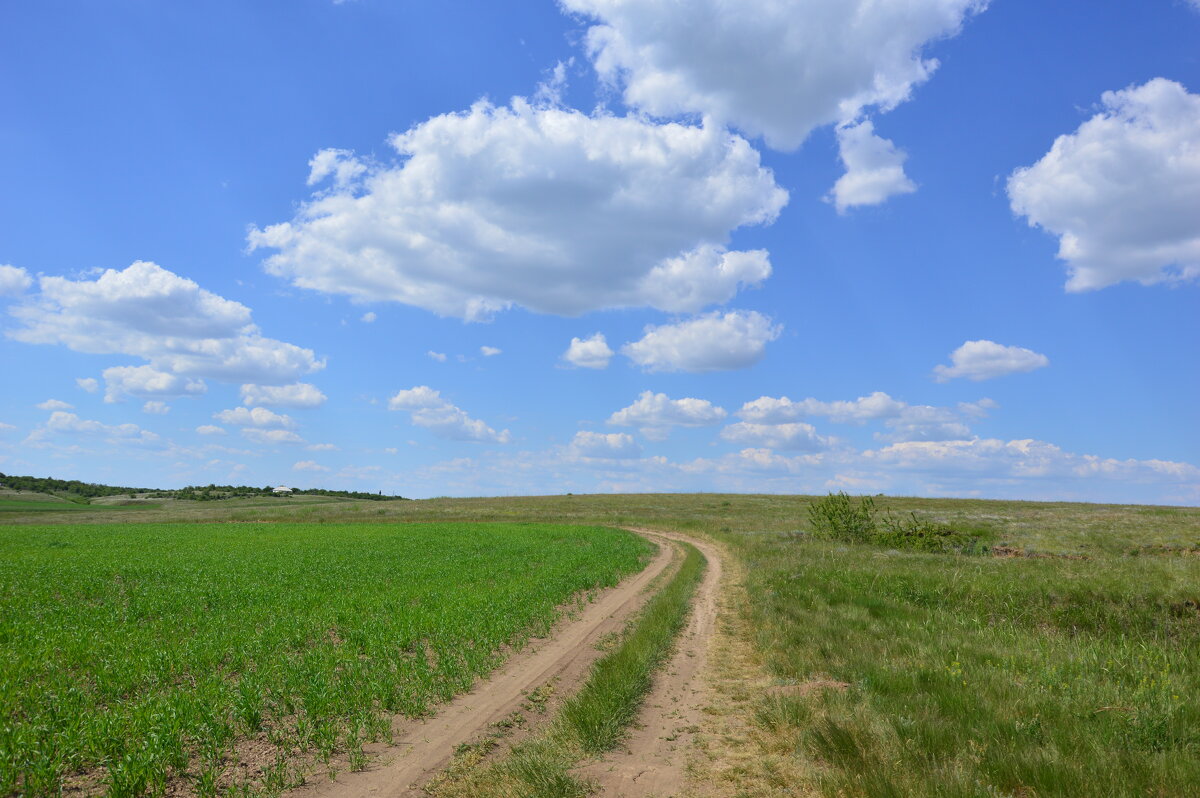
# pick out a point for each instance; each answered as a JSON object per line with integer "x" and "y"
{"x": 596, "y": 718}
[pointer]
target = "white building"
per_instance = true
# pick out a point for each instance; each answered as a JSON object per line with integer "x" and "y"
{"x": 282, "y": 490}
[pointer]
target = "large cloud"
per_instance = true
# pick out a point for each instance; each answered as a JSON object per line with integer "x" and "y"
{"x": 149, "y": 312}
{"x": 442, "y": 418}
{"x": 655, "y": 413}
{"x": 712, "y": 342}
{"x": 547, "y": 208}
{"x": 1122, "y": 191}
{"x": 985, "y": 360}
{"x": 773, "y": 67}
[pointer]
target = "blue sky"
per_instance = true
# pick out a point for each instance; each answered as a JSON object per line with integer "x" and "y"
{"x": 931, "y": 247}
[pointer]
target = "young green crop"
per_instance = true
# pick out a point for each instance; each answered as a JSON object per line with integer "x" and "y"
{"x": 133, "y": 655}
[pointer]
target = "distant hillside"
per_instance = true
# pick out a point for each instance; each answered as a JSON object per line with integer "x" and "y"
{"x": 82, "y": 492}
{"x": 218, "y": 492}
{"x": 67, "y": 488}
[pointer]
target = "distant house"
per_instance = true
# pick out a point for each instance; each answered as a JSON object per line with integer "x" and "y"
{"x": 282, "y": 490}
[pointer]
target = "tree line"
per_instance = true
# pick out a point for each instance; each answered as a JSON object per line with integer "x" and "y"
{"x": 75, "y": 490}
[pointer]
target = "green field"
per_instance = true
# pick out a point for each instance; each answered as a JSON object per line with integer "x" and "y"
{"x": 1068, "y": 667}
{"x": 131, "y": 655}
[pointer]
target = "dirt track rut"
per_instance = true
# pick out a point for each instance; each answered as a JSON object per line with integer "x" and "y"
{"x": 653, "y": 760}
{"x": 425, "y": 747}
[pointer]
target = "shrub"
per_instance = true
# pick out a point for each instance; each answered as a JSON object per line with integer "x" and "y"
{"x": 844, "y": 518}
{"x": 924, "y": 534}
{"x": 838, "y": 517}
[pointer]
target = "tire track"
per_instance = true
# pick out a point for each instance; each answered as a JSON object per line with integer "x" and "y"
{"x": 424, "y": 747}
{"x": 653, "y": 760}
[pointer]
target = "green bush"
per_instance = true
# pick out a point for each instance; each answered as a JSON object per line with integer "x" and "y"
{"x": 849, "y": 520}
{"x": 838, "y": 517}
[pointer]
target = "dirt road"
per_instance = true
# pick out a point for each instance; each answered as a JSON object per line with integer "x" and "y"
{"x": 424, "y": 747}
{"x": 653, "y": 760}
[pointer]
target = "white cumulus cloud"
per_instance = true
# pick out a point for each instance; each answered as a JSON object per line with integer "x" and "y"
{"x": 984, "y": 360}
{"x": 904, "y": 422}
{"x": 64, "y": 423}
{"x": 259, "y": 417}
{"x": 14, "y": 280}
{"x": 308, "y": 465}
{"x": 300, "y": 395}
{"x": 547, "y": 208}
{"x": 778, "y": 68}
{"x": 1121, "y": 192}
{"x": 926, "y": 423}
{"x": 1027, "y": 459}
{"x": 339, "y": 165}
{"x": 772, "y": 410}
{"x": 170, "y": 321}
{"x": 602, "y": 446}
{"x": 655, "y": 413}
{"x": 156, "y": 408}
{"x": 147, "y": 382}
{"x": 793, "y": 436}
{"x": 589, "y": 353}
{"x": 270, "y": 436}
{"x": 489, "y": 351}
{"x": 210, "y": 429}
{"x": 874, "y": 168}
{"x": 89, "y": 384}
{"x": 54, "y": 404}
{"x": 712, "y": 342}
{"x": 429, "y": 410}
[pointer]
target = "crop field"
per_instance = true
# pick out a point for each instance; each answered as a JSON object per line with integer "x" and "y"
{"x": 134, "y": 657}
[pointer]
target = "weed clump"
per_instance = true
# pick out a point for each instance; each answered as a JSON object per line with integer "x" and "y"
{"x": 924, "y": 534}
{"x": 848, "y": 520}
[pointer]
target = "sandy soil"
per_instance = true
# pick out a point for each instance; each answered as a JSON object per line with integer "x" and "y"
{"x": 424, "y": 747}
{"x": 654, "y": 759}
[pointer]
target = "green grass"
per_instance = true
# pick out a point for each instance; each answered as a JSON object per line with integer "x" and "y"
{"x": 1071, "y": 666}
{"x": 133, "y": 655}
{"x": 981, "y": 676}
{"x": 596, "y": 718}
{"x": 599, "y": 714}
